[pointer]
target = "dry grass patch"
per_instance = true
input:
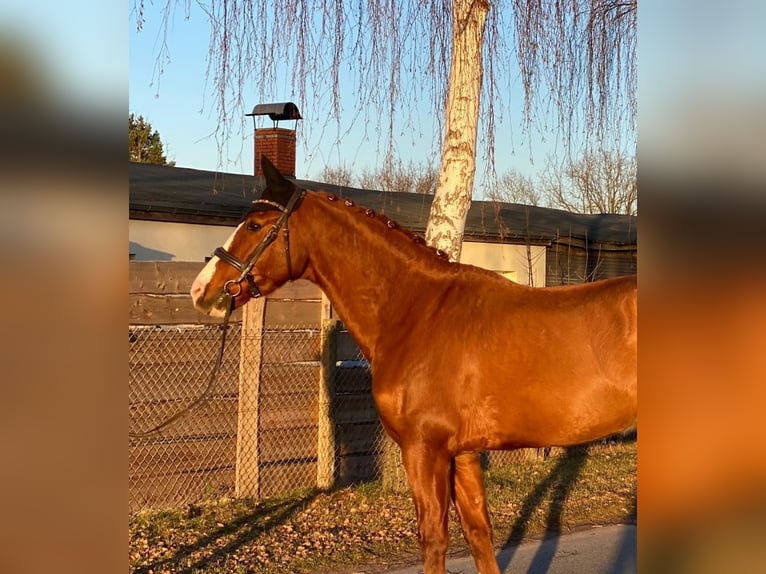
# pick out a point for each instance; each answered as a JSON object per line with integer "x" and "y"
{"x": 363, "y": 525}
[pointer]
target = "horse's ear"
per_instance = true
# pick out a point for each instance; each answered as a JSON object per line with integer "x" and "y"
{"x": 278, "y": 189}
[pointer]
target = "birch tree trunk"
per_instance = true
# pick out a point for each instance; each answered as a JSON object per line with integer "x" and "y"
{"x": 452, "y": 199}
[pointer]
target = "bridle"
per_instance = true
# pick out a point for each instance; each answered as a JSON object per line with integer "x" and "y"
{"x": 245, "y": 267}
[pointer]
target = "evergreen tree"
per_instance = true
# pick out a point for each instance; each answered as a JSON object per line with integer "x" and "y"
{"x": 144, "y": 143}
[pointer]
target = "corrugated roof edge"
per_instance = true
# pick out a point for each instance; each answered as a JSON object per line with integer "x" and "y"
{"x": 163, "y": 193}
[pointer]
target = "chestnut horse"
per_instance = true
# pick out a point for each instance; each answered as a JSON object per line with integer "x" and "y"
{"x": 463, "y": 360}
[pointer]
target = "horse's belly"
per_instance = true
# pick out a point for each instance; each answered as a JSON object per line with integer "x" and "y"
{"x": 519, "y": 422}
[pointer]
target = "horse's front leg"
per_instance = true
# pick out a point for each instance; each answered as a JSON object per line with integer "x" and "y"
{"x": 428, "y": 473}
{"x": 471, "y": 504}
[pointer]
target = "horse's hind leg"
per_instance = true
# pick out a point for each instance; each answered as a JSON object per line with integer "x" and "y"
{"x": 471, "y": 505}
{"x": 428, "y": 472}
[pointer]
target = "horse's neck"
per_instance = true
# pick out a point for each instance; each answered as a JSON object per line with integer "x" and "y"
{"x": 366, "y": 270}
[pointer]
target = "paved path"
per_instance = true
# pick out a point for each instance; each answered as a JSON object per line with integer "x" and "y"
{"x": 599, "y": 550}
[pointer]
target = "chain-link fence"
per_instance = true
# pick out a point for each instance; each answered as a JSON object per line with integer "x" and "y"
{"x": 290, "y": 409}
{"x": 266, "y": 428}
{"x": 193, "y": 458}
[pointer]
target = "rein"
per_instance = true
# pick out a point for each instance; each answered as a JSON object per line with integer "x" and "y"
{"x": 245, "y": 269}
{"x": 211, "y": 381}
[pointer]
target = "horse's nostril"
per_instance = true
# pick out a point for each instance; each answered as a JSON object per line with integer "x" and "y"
{"x": 197, "y": 290}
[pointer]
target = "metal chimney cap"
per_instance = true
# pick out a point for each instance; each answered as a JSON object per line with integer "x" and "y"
{"x": 277, "y": 112}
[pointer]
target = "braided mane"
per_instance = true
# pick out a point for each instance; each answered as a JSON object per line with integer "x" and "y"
{"x": 390, "y": 224}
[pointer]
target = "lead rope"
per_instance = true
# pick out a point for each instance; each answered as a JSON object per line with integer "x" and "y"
{"x": 211, "y": 382}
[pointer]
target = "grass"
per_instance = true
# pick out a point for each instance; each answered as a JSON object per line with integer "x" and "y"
{"x": 363, "y": 528}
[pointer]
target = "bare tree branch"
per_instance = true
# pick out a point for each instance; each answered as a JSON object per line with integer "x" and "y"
{"x": 599, "y": 182}
{"x": 576, "y": 59}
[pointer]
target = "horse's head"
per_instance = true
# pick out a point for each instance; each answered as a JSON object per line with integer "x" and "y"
{"x": 256, "y": 259}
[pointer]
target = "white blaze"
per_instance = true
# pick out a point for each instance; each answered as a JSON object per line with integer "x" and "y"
{"x": 203, "y": 279}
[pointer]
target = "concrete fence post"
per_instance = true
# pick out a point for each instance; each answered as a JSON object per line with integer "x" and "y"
{"x": 326, "y": 455}
{"x": 247, "y": 474}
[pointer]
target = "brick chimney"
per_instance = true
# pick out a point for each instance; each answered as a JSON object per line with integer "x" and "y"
{"x": 277, "y": 144}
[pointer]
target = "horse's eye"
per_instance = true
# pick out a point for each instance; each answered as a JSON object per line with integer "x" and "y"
{"x": 253, "y": 226}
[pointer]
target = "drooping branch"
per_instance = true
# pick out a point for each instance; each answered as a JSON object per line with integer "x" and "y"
{"x": 576, "y": 60}
{"x": 579, "y": 59}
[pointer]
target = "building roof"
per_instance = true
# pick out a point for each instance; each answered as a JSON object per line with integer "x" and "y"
{"x": 185, "y": 195}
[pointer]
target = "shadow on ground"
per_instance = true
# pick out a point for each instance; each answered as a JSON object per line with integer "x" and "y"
{"x": 237, "y": 534}
{"x": 558, "y": 485}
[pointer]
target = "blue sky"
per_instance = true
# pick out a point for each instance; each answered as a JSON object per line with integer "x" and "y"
{"x": 180, "y": 106}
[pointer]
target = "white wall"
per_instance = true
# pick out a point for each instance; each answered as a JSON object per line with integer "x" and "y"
{"x": 155, "y": 240}
{"x": 506, "y": 258}
{"x": 163, "y": 241}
